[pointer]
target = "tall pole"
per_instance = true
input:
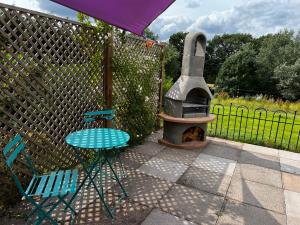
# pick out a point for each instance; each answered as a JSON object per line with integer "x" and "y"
{"x": 161, "y": 72}
{"x": 107, "y": 76}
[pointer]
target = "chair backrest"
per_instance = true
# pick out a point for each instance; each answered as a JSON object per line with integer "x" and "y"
{"x": 11, "y": 152}
{"x": 107, "y": 114}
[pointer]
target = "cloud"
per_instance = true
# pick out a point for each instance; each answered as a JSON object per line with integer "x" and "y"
{"x": 33, "y": 4}
{"x": 43, "y": 6}
{"x": 255, "y": 17}
{"x": 168, "y": 25}
{"x": 57, "y": 9}
{"x": 193, "y": 3}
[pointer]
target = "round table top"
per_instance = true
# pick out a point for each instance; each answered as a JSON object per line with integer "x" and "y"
{"x": 98, "y": 138}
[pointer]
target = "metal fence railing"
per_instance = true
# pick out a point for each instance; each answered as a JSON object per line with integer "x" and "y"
{"x": 278, "y": 129}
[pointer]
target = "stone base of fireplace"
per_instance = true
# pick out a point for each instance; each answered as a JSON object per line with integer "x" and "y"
{"x": 186, "y": 145}
{"x": 185, "y": 133}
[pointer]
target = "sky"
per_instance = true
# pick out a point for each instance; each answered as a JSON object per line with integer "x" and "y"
{"x": 257, "y": 17}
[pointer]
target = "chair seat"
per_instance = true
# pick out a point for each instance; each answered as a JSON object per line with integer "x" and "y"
{"x": 53, "y": 184}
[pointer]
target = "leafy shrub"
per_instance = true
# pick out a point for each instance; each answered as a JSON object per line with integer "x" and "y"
{"x": 136, "y": 101}
{"x": 168, "y": 83}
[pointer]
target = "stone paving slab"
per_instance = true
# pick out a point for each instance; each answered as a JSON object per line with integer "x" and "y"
{"x": 129, "y": 213}
{"x": 292, "y": 202}
{"x": 146, "y": 190}
{"x": 178, "y": 155}
{"x": 164, "y": 169}
{"x": 260, "y": 195}
{"x": 266, "y": 161}
{"x": 148, "y": 148}
{"x": 291, "y": 182}
{"x": 290, "y": 166}
{"x": 133, "y": 159}
{"x": 261, "y": 150}
{"x": 215, "y": 164}
{"x": 291, "y": 220}
{"x": 222, "y": 151}
{"x": 193, "y": 205}
{"x": 155, "y": 136}
{"x": 157, "y": 217}
{"x": 237, "y": 213}
{"x": 289, "y": 155}
{"x": 224, "y": 142}
{"x": 206, "y": 180}
{"x": 258, "y": 174}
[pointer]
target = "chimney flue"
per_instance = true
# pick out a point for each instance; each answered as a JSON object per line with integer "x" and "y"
{"x": 194, "y": 55}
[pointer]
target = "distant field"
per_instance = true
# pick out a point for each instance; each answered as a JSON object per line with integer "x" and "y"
{"x": 271, "y": 125}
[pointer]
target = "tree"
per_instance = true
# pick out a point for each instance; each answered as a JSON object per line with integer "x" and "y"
{"x": 219, "y": 49}
{"x": 289, "y": 80}
{"x": 171, "y": 61}
{"x": 177, "y": 41}
{"x": 238, "y": 71}
{"x": 150, "y": 34}
{"x": 275, "y": 50}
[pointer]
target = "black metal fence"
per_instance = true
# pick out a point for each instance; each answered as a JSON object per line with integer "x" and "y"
{"x": 278, "y": 129}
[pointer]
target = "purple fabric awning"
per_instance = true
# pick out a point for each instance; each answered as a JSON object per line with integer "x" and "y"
{"x": 131, "y": 15}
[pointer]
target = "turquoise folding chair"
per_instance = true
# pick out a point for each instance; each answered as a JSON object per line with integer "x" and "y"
{"x": 57, "y": 184}
{"x": 106, "y": 115}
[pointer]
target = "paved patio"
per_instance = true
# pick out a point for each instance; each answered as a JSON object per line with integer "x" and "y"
{"x": 225, "y": 183}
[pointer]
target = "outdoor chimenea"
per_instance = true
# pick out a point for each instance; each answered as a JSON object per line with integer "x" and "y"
{"x": 187, "y": 103}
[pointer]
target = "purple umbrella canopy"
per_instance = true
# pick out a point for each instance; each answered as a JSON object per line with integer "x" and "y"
{"x": 131, "y": 15}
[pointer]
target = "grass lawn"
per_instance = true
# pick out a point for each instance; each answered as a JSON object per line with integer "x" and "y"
{"x": 269, "y": 127}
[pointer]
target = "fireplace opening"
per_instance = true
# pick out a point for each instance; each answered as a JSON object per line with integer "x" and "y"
{"x": 193, "y": 134}
{"x": 196, "y": 103}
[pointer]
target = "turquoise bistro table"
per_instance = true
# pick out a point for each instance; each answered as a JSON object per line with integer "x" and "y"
{"x": 105, "y": 144}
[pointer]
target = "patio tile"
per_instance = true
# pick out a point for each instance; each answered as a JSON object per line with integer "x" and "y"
{"x": 260, "y": 195}
{"x": 133, "y": 159}
{"x": 127, "y": 212}
{"x": 290, "y": 166}
{"x": 228, "y": 143}
{"x": 266, "y": 161}
{"x": 148, "y": 148}
{"x": 155, "y": 136}
{"x": 158, "y": 217}
{"x": 88, "y": 195}
{"x": 291, "y": 182}
{"x": 164, "y": 169}
{"x": 237, "y": 213}
{"x": 222, "y": 151}
{"x": 291, "y": 220}
{"x": 205, "y": 180}
{"x": 261, "y": 150}
{"x": 190, "y": 204}
{"x": 258, "y": 174}
{"x": 145, "y": 189}
{"x": 292, "y": 202}
{"x": 289, "y": 155}
{"x": 178, "y": 155}
{"x": 215, "y": 164}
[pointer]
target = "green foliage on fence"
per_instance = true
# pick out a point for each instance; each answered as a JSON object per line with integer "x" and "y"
{"x": 135, "y": 79}
{"x": 135, "y": 88}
